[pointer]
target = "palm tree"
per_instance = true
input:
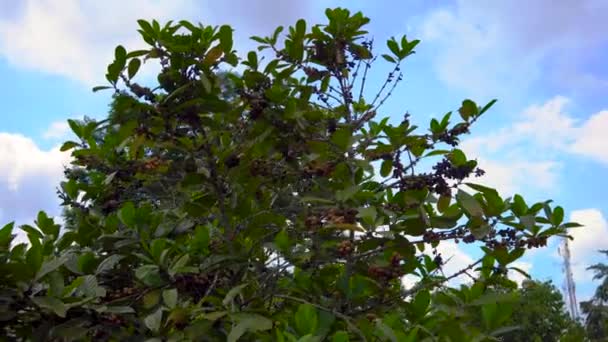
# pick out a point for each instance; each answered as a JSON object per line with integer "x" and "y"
{"x": 596, "y": 309}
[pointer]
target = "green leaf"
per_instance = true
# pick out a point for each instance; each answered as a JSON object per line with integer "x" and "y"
{"x": 301, "y": 27}
{"x": 87, "y": 262}
{"x": 421, "y": 303}
{"x": 68, "y": 145}
{"x": 386, "y": 331}
{"x": 249, "y": 322}
{"x": 154, "y": 320}
{"x": 386, "y": 168}
{"x": 443, "y": 203}
{"x": 53, "y": 304}
{"x": 340, "y": 336}
{"x": 91, "y": 288}
{"x": 388, "y": 58}
{"x": 252, "y": 60}
{"x": 571, "y": 225}
{"x": 179, "y": 264}
{"x": 557, "y": 216}
{"x": 225, "y": 35}
{"x": 468, "y": 109}
{"x": 214, "y": 316}
{"x": 151, "y": 299}
{"x": 469, "y": 204}
{"x": 529, "y": 221}
{"x": 146, "y": 27}
{"x": 393, "y": 46}
{"x": 233, "y": 293}
{"x": 51, "y": 265}
{"x": 108, "y": 263}
{"x": 341, "y": 138}
{"x": 170, "y": 298}
{"x": 149, "y": 275}
{"x": 479, "y": 228}
{"x": 480, "y": 188}
{"x": 310, "y": 199}
{"x": 368, "y": 214}
{"x": 47, "y": 225}
{"x": 33, "y": 257}
{"x": 306, "y": 319}
{"x": 347, "y": 193}
{"x": 487, "y": 106}
{"x": 98, "y": 88}
{"x": 133, "y": 67}
{"x": 519, "y": 206}
{"x": 201, "y": 239}
{"x": 281, "y": 240}
{"x": 75, "y": 127}
{"x": 457, "y": 157}
{"x": 119, "y": 310}
{"x": 127, "y": 214}
{"x": 6, "y": 234}
{"x": 120, "y": 54}
{"x": 488, "y": 312}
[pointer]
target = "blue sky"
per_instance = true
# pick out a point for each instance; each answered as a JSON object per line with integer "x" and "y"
{"x": 544, "y": 61}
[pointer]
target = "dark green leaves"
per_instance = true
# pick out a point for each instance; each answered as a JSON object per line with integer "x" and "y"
{"x": 154, "y": 320}
{"x": 264, "y": 204}
{"x": 68, "y": 145}
{"x": 387, "y": 166}
{"x": 246, "y": 323}
{"x": 200, "y": 243}
{"x": 281, "y": 240}
{"x": 306, "y": 319}
{"x": 53, "y": 304}
{"x": 127, "y": 214}
{"x": 406, "y": 48}
{"x": 469, "y": 204}
{"x": 114, "y": 69}
{"x": 149, "y": 275}
{"x": 342, "y": 138}
{"x": 134, "y": 65}
{"x": 225, "y": 36}
{"x": 6, "y": 234}
{"x": 468, "y": 110}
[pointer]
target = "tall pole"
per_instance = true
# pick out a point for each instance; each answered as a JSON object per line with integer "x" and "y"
{"x": 570, "y": 286}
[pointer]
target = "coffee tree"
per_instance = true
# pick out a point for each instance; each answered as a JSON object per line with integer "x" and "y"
{"x": 270, "y": 203}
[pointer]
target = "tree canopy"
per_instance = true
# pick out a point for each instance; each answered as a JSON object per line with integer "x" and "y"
{"x": 596, "y": 309}
{"x": 540, "y": 315}
{"x": 275, "y": 203}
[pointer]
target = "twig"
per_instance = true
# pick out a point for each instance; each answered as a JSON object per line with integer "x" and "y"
{"x": 386, "y": 82}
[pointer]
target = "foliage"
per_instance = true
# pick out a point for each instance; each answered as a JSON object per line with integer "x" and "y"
{"x": 271, "y": 205}
{"x": 540, "y": 314}
{"x": 596, "y": 309}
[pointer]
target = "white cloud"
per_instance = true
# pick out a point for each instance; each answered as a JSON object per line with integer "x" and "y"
{"x": 494, "y": 49}
{"x": 57, "y": 130}
{"x": 592, "y": 140}
{"x": 587, "y": 241}
{"x": 28, "y": 177}
{"x": 456, "y": 260}
{"x": 524, "y": 154}
{"x": 77, "y": 38}
{"x": 516, "y": 175}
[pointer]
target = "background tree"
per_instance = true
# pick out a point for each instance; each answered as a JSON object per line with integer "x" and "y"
{"x": 596, "y": 309}
{"x": 539, "y": 313}
{"x": 270, "y": 205}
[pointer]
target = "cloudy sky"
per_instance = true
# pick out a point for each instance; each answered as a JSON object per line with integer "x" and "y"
{"x": 543, "y": 60}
